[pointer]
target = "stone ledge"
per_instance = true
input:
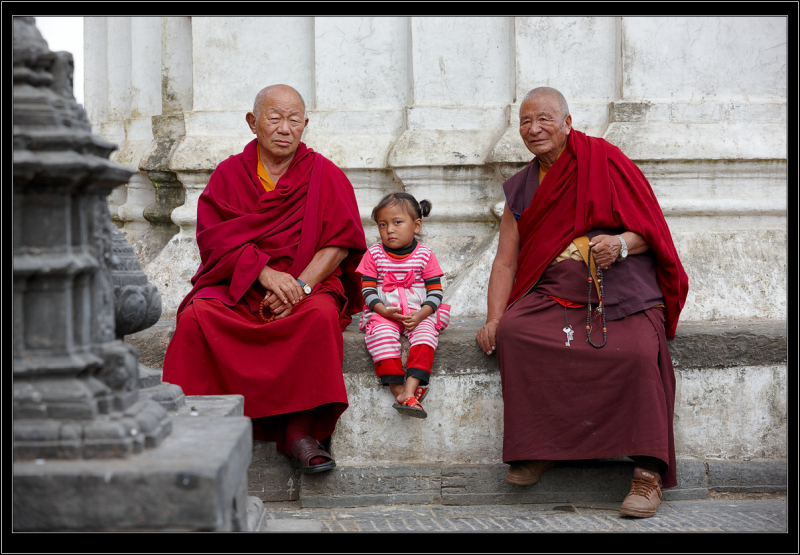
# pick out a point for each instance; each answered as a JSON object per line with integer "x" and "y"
{"x": 591, "y": 481}
{"x": 696, "y": 345}
{"x": 746, "y": 476}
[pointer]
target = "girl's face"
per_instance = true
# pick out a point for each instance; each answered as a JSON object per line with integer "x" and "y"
{"x": 396, "y": 226}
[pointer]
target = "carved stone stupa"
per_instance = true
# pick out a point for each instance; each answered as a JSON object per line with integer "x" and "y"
{"x": 91, "y": 452}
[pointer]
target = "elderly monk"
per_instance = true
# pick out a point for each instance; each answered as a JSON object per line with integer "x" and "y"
{"x": 280, "y": 237}
{"x": 585, "y": 288}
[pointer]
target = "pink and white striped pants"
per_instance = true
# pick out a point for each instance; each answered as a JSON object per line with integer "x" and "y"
{"x": 383, "y": 336}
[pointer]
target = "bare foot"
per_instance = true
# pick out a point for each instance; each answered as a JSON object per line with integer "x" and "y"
{"x": 397, "y": 390}
{"x": 408, "y": 391}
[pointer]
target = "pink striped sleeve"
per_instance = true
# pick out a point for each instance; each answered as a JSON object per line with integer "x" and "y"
{"x": 432, "y": 268}
{"x": 367, "y": 265}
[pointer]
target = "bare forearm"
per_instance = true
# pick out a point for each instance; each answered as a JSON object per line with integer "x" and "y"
{"x": 322, "y": 265}
{"x": 501, "y": 281}
{"x": 636, "y": 243}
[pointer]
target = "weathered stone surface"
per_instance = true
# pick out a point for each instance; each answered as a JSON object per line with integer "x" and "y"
{"x": 571, "y": 481}
{"x": 167, "y": 395}
{"x": 197, "y": 475}
{"x": 270, "y": 476}
{"x": 692, "y": 481}
{"x": 747, "y": 476}
{"x": 152, "y": 343}
{"x": 737, "y": 412}
{"x": 216, "y": 406}
{"x": 256, "y": 514}
{"x": 355, "y": 486}
{"x": 726, "y": 344}
{"x": 299, "y": 526}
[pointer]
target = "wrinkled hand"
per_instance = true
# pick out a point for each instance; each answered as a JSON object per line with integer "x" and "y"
{"x": 605, "y": 250}
{"x": 276, "y": 306}
{"x": 487, "y": 336}
{"x": 281, "y": 284}
{"x": 412, "y": 320}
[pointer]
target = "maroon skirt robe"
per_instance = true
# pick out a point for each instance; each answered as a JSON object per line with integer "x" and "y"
{"x": 220, "y": 346}
{"x": 578, "y": 402}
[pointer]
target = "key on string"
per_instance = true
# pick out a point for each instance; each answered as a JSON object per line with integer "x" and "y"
{"x": 569, "y": 332}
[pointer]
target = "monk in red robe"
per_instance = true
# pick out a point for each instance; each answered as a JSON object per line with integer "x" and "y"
{"x": 280, "y": 238}
{"x": 584, "y": 290}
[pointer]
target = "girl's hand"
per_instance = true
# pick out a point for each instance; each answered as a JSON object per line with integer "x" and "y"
{"x": 412, "y": 320}
{"x": 390, "y": 313}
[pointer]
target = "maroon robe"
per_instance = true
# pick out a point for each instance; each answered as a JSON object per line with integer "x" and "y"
{"x": 577, "y": 402}
{"x": 220, "y": 346}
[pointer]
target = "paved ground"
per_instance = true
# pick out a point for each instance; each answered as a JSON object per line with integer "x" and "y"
{"x": 711, "y": 515}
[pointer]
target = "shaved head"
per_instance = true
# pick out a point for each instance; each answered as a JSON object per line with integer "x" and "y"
{"x": 272, "y": 89}
{"x": 550, "y": 93}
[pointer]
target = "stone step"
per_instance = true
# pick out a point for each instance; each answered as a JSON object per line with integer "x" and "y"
{"x": 724, "y": 370}
{"x": 696, "y": 345}
{"x": 272, "y": 479}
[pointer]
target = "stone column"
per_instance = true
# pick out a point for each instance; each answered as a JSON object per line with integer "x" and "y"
{"x": 361, "y": 95}
{"x": 95, "y": 84}
{"x": 175, "y": 89}
{"x": 461, "y": 92}
{"x": 145, "y": 101}
{"x": 706, "y": 122}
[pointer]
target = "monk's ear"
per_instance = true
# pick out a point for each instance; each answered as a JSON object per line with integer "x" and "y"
{"x": 251, "y": 121}
{"x": 568, "y": 123}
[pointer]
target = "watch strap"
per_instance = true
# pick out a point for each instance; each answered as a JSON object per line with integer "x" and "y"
{"x": 623, "y": 251}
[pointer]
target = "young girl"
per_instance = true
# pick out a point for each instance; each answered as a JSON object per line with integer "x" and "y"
{"x": 402, "y": 288}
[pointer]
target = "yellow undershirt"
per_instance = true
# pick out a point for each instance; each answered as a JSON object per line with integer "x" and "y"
{"x": 264, "y": 177}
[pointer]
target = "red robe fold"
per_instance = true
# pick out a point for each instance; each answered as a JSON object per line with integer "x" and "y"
{"x": 594, "y": 185}
{"x": 219, "y": 345}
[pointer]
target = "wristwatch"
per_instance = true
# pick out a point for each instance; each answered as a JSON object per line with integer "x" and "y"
{"x": 623, "y": 250}
{"x": 306, "y": 287}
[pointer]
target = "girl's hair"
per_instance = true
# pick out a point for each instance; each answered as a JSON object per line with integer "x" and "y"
{"x": 414, "y": 208}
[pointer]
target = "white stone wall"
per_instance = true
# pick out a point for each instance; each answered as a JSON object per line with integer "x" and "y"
{"x": 429, "y": 105}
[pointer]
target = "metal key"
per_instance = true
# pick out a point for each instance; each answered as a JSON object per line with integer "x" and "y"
{"x": 569, "y": 332}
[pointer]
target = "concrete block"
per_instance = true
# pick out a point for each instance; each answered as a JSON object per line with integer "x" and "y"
{"x": 747, "y": 476}
{"x": 692, "y": 481}
{"x": 195, "y": 480}
{"x": 359, "y": 486}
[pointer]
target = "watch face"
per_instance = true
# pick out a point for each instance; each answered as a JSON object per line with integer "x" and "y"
{"x": 307, "y": 289}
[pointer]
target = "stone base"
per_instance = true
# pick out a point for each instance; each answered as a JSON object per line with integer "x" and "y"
{"x": 591, "y": 481}
{"x": 195, "y": 480}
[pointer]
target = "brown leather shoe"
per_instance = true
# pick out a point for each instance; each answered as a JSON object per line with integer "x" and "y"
{"x": 645, "y": 495}
{"x": 525, "y": 473}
